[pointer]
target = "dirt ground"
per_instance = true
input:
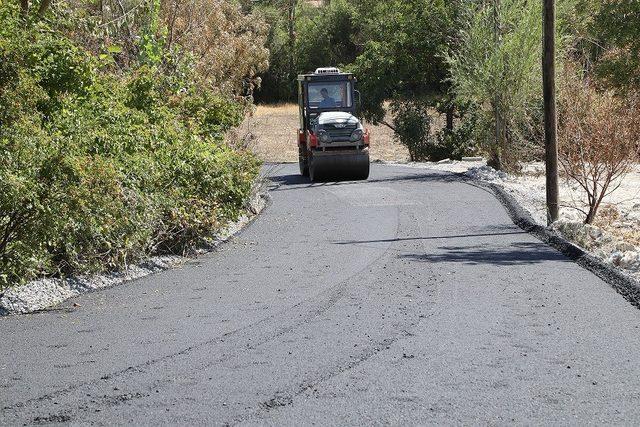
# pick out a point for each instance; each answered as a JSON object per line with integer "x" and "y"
{"x": 273, "y": 130}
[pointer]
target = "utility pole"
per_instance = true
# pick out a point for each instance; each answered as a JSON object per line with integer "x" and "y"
{"x": 550, "y": 118}
{"x": 496, "y": 100}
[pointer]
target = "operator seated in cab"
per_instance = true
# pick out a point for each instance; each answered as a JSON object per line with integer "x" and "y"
{"x": 327, "y": 101}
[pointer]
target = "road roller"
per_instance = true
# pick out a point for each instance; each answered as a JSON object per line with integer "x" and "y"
{"x": 333, "y": 145}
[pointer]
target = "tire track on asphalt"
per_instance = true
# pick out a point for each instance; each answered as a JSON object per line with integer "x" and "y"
{"x": 285, "y": 397}
{"x": 327, "y": 299}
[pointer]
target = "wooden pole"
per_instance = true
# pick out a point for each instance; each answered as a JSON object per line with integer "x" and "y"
{"x": 550, "y": 118}
{"x": 497, "y": 152}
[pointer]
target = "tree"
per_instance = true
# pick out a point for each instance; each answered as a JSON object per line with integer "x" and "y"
{"x": 282, "y": 17}
{"x": 598, "y": 137}
{"x": 226, "y": 45}
{"x": 617, "y": 28}
{"x": 401, "y": 59}
{"x": 327, "y": 36}
{"x": 402, "y": 66}
{"x": 497, "y": 69}
{"x": 412, "y": 125}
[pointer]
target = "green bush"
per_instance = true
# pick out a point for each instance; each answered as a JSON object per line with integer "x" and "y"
{"x": 412, "y": 122}
{"x": 142, "y": 91}
{"x": 459, "y": 142}
{"x": 25, "y": 214}
{"x": 214, "y": 114}
{"x": 99, "y": 170}
{"x": 412, "y": 125}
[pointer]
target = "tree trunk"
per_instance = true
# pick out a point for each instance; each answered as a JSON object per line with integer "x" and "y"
{"x": 496, "y": 153}
{"x": 292, "y": 35}
{"x": 387, "y": 124}
{"x": 172, "y": 24}
{"x": 591, "y": 215}
{"x": 450, "y": 112}
{"x": 24, "y": 9}
{"x": 44, "y": 6}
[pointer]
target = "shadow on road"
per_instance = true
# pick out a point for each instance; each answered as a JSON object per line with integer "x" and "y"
{"x": 404, "y": 239}
{"x": 289, "y": 179}
{"x": 297, "y": 180}
{"x": 517, "y": 254}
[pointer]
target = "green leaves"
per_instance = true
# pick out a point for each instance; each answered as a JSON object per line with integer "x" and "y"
{"x": 114, "y": 49}
{"x": 412, "y": 125}
{"x": 401, "y": 58}
{"x": 99, "y": 170}
{"x": 496, "y": 69}
{"x": 617, "y": 28}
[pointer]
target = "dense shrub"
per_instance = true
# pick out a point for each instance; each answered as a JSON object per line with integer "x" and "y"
{"x": 598, "y": 139}
{"x": 214, "y": 114}
{"x": 97, "y": 169}
{"x": 412, "y": 122}
{"x": 412, "y": 125}
{"x": 457, "y": 142}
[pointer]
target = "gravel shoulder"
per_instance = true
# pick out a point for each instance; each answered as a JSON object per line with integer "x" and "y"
{"x": 614, "y": 238}
{"x": 45, "y": 293}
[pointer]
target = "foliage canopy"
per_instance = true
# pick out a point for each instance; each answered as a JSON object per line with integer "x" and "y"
{"x": 110, "y": 154}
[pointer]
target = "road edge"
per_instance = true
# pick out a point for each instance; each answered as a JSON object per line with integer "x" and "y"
{"x": 624, "y": 284}
{"x": 43, "y": 294}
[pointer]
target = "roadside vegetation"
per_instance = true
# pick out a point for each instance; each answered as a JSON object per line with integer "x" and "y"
{"x": 460, "y": 78}
{"x": 115, "y": 115}
{"x": 113, "y": 124}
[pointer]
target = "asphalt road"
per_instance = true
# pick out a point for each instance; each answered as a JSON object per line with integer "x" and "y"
{"x": 407, "y": 299}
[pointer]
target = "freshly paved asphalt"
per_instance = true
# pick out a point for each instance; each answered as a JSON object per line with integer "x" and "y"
{"x": 407, "y": 299}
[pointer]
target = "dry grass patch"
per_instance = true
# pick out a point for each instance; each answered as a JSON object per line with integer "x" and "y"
{"x": 273, "y": 131}
{"x": 277, "y": 110}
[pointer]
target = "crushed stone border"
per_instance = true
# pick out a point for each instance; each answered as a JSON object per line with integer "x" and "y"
{"x": 624, "y": 284}
{"x": 42, "y": 294}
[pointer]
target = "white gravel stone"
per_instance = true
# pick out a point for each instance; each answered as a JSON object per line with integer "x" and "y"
{"x": 529, "y": 191}
{"x": 44, "y": 293}
{"x": 630, "y": 260}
